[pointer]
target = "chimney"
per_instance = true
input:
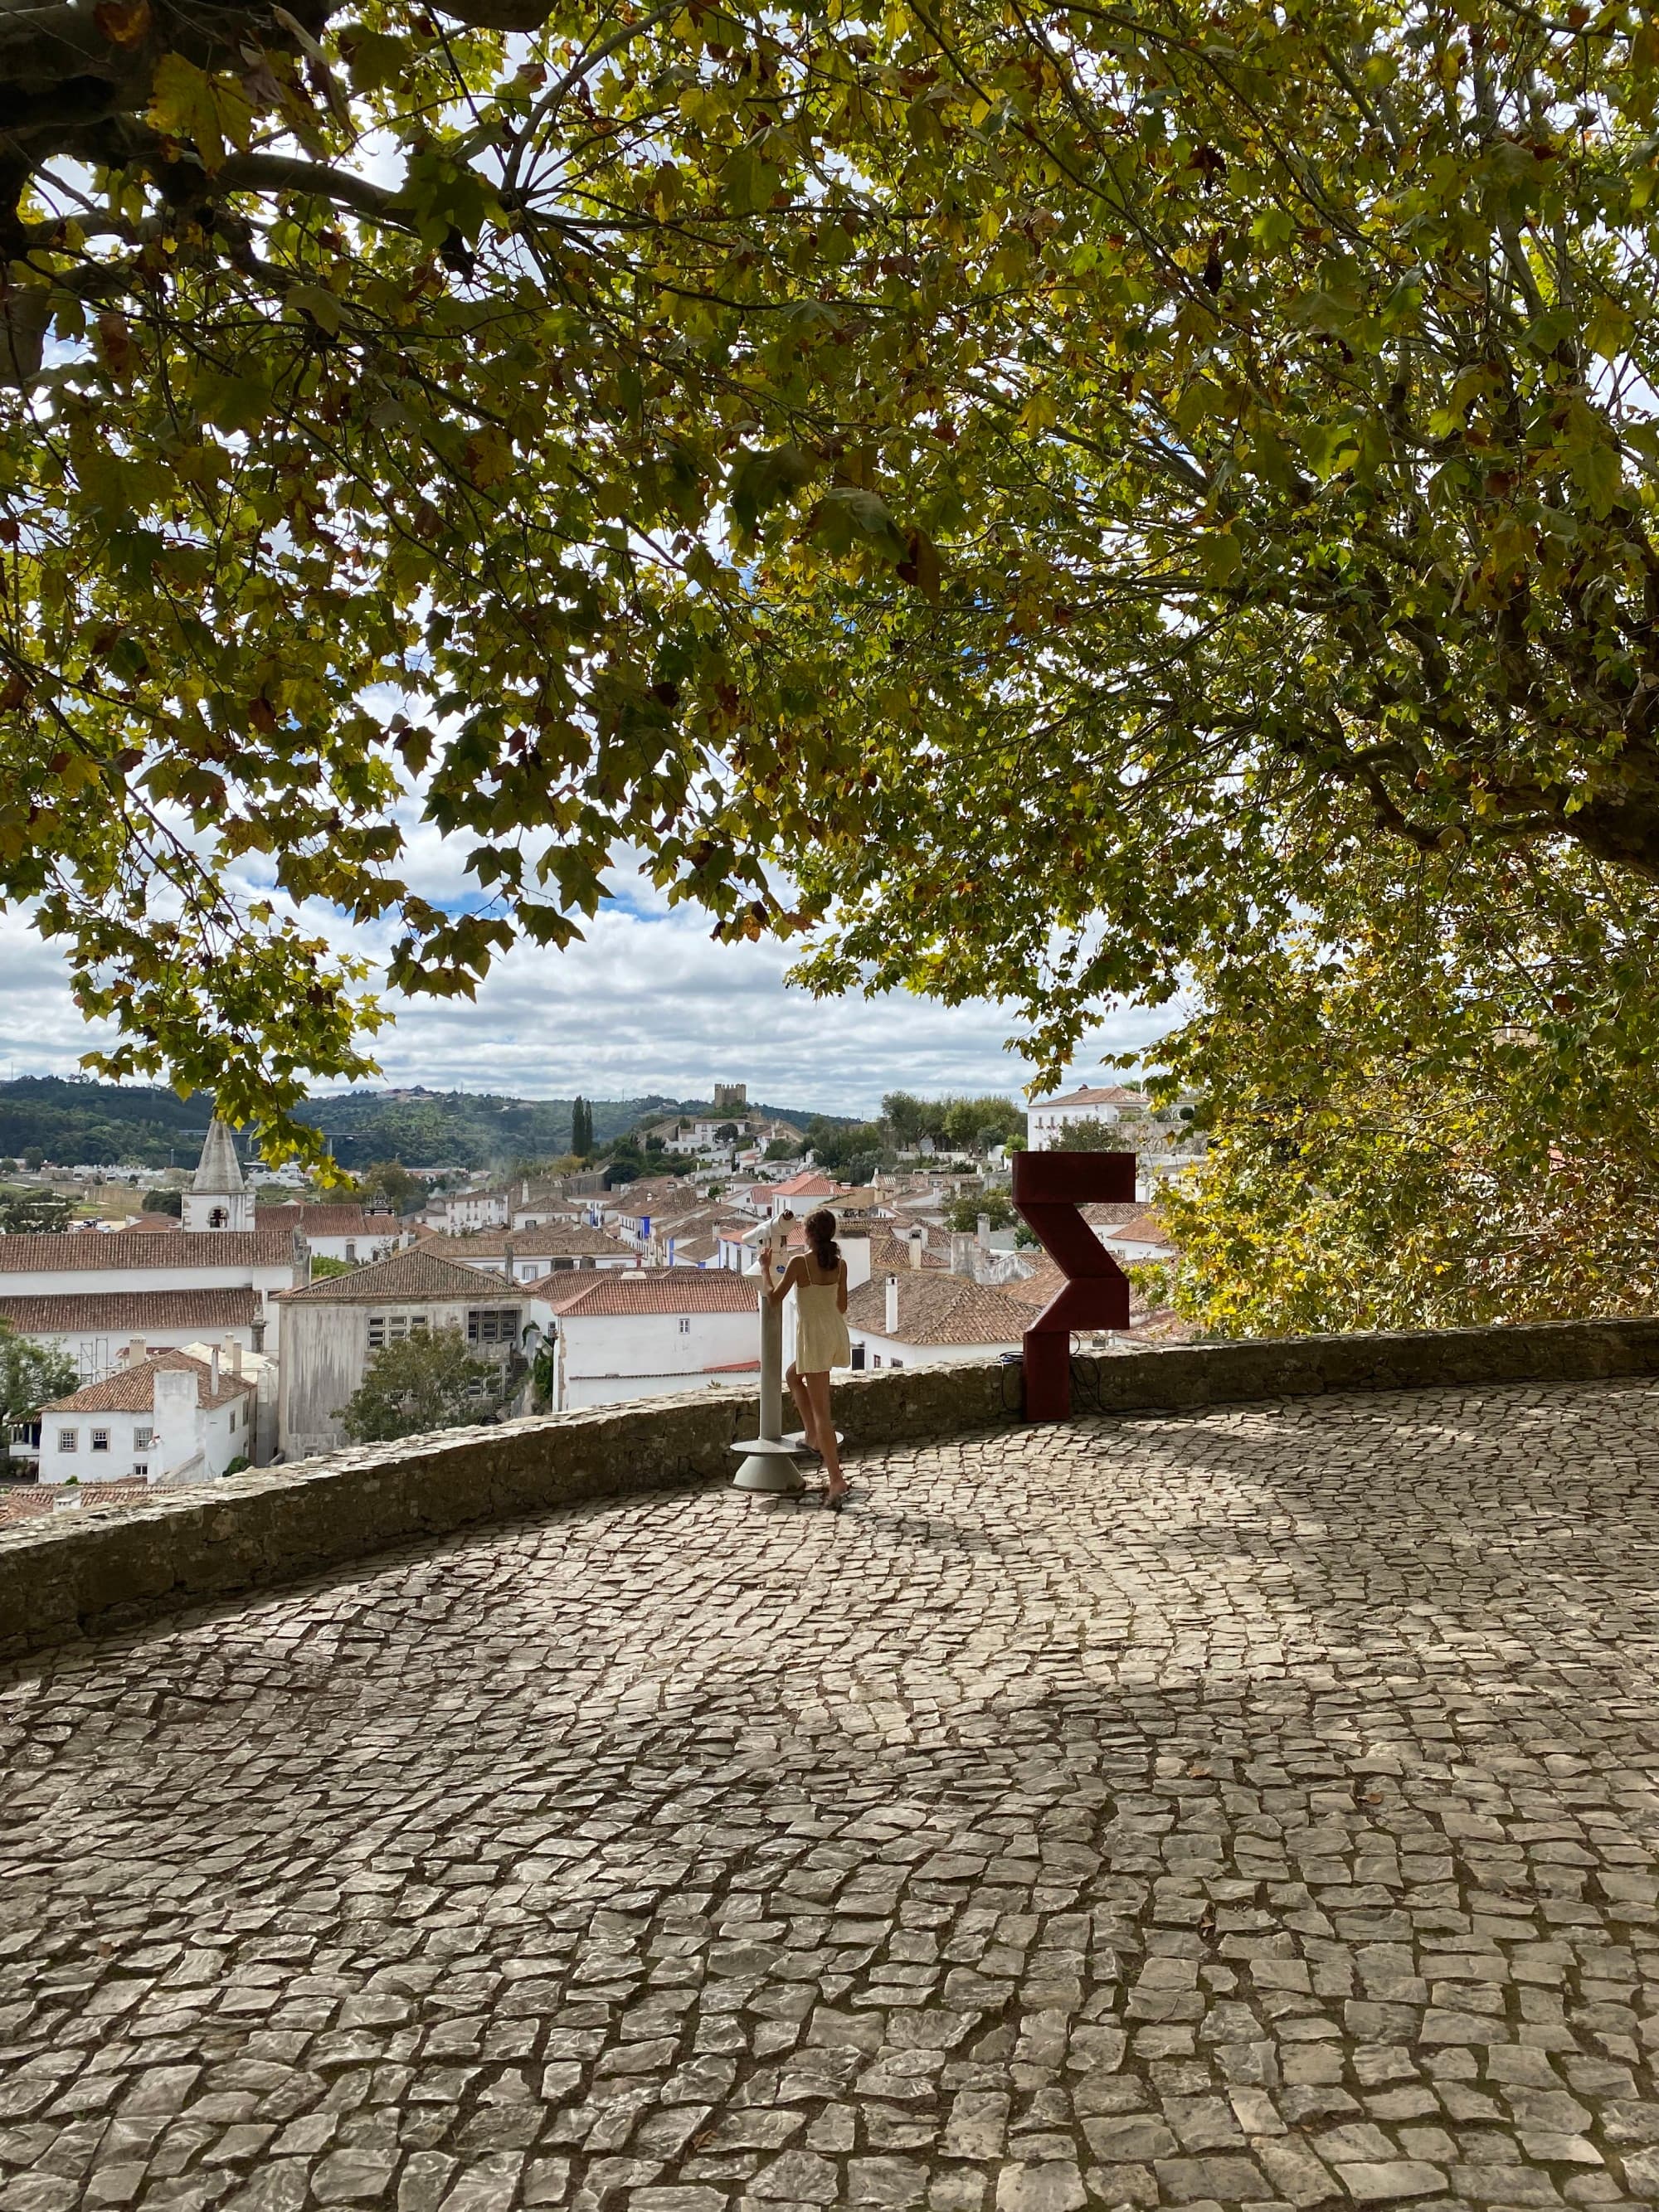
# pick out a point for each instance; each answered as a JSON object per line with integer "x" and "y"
{"x": 985, "y": 1232}
{"x": 213, "y": 1370}
{"x": 524, "y": 1191}
{"x": 233, "y": 1355}
{"x": 137, "y": 1352}
{"x": 507, "y": 1256}
{"x": 918, "y": 1237}
{"x": 893, "y": 1328}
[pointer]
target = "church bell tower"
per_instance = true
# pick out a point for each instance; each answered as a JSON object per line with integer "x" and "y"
{"x": 219, "y": 1198}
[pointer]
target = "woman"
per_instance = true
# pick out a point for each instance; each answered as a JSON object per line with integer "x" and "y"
{"x": 818, "y": 1278}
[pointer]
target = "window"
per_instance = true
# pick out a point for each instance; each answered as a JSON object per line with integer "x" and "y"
{"x": 218, "y": 1218}
{"x": 685, "y": 1324}
{"x": 558, "y": 1264}
{"x": 142, "y": 1439}
{"x": 233, "y": 1421}
{"x": 875, "y": 1361}
{"x": 100, "y": 1440}
{"x": 141, "y": 1469}
{"x": 351, "y": 1252}
{"x": 69, "y": 1440}
{"x": 392, "y": 1328}
{"x": 493, "y": 1325}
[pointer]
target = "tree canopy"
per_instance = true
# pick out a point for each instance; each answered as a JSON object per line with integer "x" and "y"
{"x": 1438, "y": 1106}
{"x": 426, "y": 1380}
{"x": 31, "y": 1375}
{"x": 1015, "y": 490}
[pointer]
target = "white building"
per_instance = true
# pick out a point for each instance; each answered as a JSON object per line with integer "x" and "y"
{"x": 337, "y": 1232}
{"x": 262, "y": 1261}
{"x": 1142, "y": 1237}
{"x": 218, "y": 1197}
{"x": 167, "y": 1419}
{"x": 260, "y": 1369}
{"x": 558, "y": 1247}
{"x": 923, "y": 1317}
{"x": 535, "y": 1204}
{"x": 641, "y": 1335}
{"x": 456, "y": 1211}
{"x": 1047, "y": 1117}
{"x": 97, "y": 1328}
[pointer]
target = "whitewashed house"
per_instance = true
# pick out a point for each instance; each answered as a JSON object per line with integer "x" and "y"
{"x": 166, "y": 1419}
{"x": 457, "y": 1211}
{"x": 1047, "y": 1117}
{"x": 97, "y": 1328}
{"x": 338, "y": 1232}
{"x": 1142, "y": 1237}
{"x": 644, "y": 1334}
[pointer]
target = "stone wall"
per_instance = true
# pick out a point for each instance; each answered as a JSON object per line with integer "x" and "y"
{"x": 82, "y": 1573}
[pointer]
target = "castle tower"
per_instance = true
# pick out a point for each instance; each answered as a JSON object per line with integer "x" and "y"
{"x": 218, "y": 1197}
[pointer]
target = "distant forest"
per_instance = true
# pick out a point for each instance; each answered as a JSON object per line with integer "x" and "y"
{"x": 111, "y": 1124}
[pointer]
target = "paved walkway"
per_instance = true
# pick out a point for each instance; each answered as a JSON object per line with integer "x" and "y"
{"x": 1246, "y": 1809}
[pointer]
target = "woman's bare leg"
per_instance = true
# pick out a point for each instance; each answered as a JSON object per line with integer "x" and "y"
{"x": 818, "y": 1389}
{"x": 804, "y": 1406}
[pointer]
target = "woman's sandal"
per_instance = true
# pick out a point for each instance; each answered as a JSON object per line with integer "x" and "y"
{"x": 835, "y": 1499}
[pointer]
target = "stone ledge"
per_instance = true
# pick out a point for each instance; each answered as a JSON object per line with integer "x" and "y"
{"x": 79, "y": 1577}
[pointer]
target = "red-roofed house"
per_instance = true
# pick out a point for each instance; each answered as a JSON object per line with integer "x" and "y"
{"x": 336, "y": 1233}
{"x": 169, "y": 1419}
{"x": 641, "y": 1335}
{"x": 802, "y": 1191}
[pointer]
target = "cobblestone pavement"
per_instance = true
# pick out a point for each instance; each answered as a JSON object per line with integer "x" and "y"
{"x": 1247, "y": 1809}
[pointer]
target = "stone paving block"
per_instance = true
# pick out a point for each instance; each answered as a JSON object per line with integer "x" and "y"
{"x": 1248, "y": 1806}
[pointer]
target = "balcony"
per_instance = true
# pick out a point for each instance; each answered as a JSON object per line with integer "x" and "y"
{"x": 1248, "y": 1803}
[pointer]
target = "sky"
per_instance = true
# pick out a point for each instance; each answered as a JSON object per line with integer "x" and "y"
{"x": 648, "y": 1003}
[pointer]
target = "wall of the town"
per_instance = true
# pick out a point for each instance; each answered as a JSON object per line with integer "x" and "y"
{"x": 107, "y": 1572}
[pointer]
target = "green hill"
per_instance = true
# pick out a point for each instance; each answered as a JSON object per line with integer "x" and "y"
{"x": 108, "y": 1125}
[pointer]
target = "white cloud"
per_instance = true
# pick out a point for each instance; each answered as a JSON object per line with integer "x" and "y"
{"x": 646, "y": 1003}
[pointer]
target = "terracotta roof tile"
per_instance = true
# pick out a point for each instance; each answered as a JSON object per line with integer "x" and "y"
{"x": 326, "y": 1220}
{"x": 662, "y": 1290}
{"x": 554, "y": 1240}
{"x": 1111, "y": 1094}
{"x": 128, "y": 1247}
{"x": 132, "y": 1389}
{"x": 70, "y": 1313}
{"x": 407, "y": 1277}
{"x": 939, "y": 1310}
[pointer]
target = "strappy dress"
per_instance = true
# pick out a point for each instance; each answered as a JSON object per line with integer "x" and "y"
{"x": 821, "y": 1338}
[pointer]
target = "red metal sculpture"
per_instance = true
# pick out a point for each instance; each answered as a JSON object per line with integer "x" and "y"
{"x": 1049, "y": 1189}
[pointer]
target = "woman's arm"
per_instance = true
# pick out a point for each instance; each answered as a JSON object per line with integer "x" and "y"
{"x": 779, "y": 1290}
{"x": 841, "y": 1288}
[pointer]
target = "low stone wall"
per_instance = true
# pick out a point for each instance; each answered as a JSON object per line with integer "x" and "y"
{"x": 82, "y": 1573}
